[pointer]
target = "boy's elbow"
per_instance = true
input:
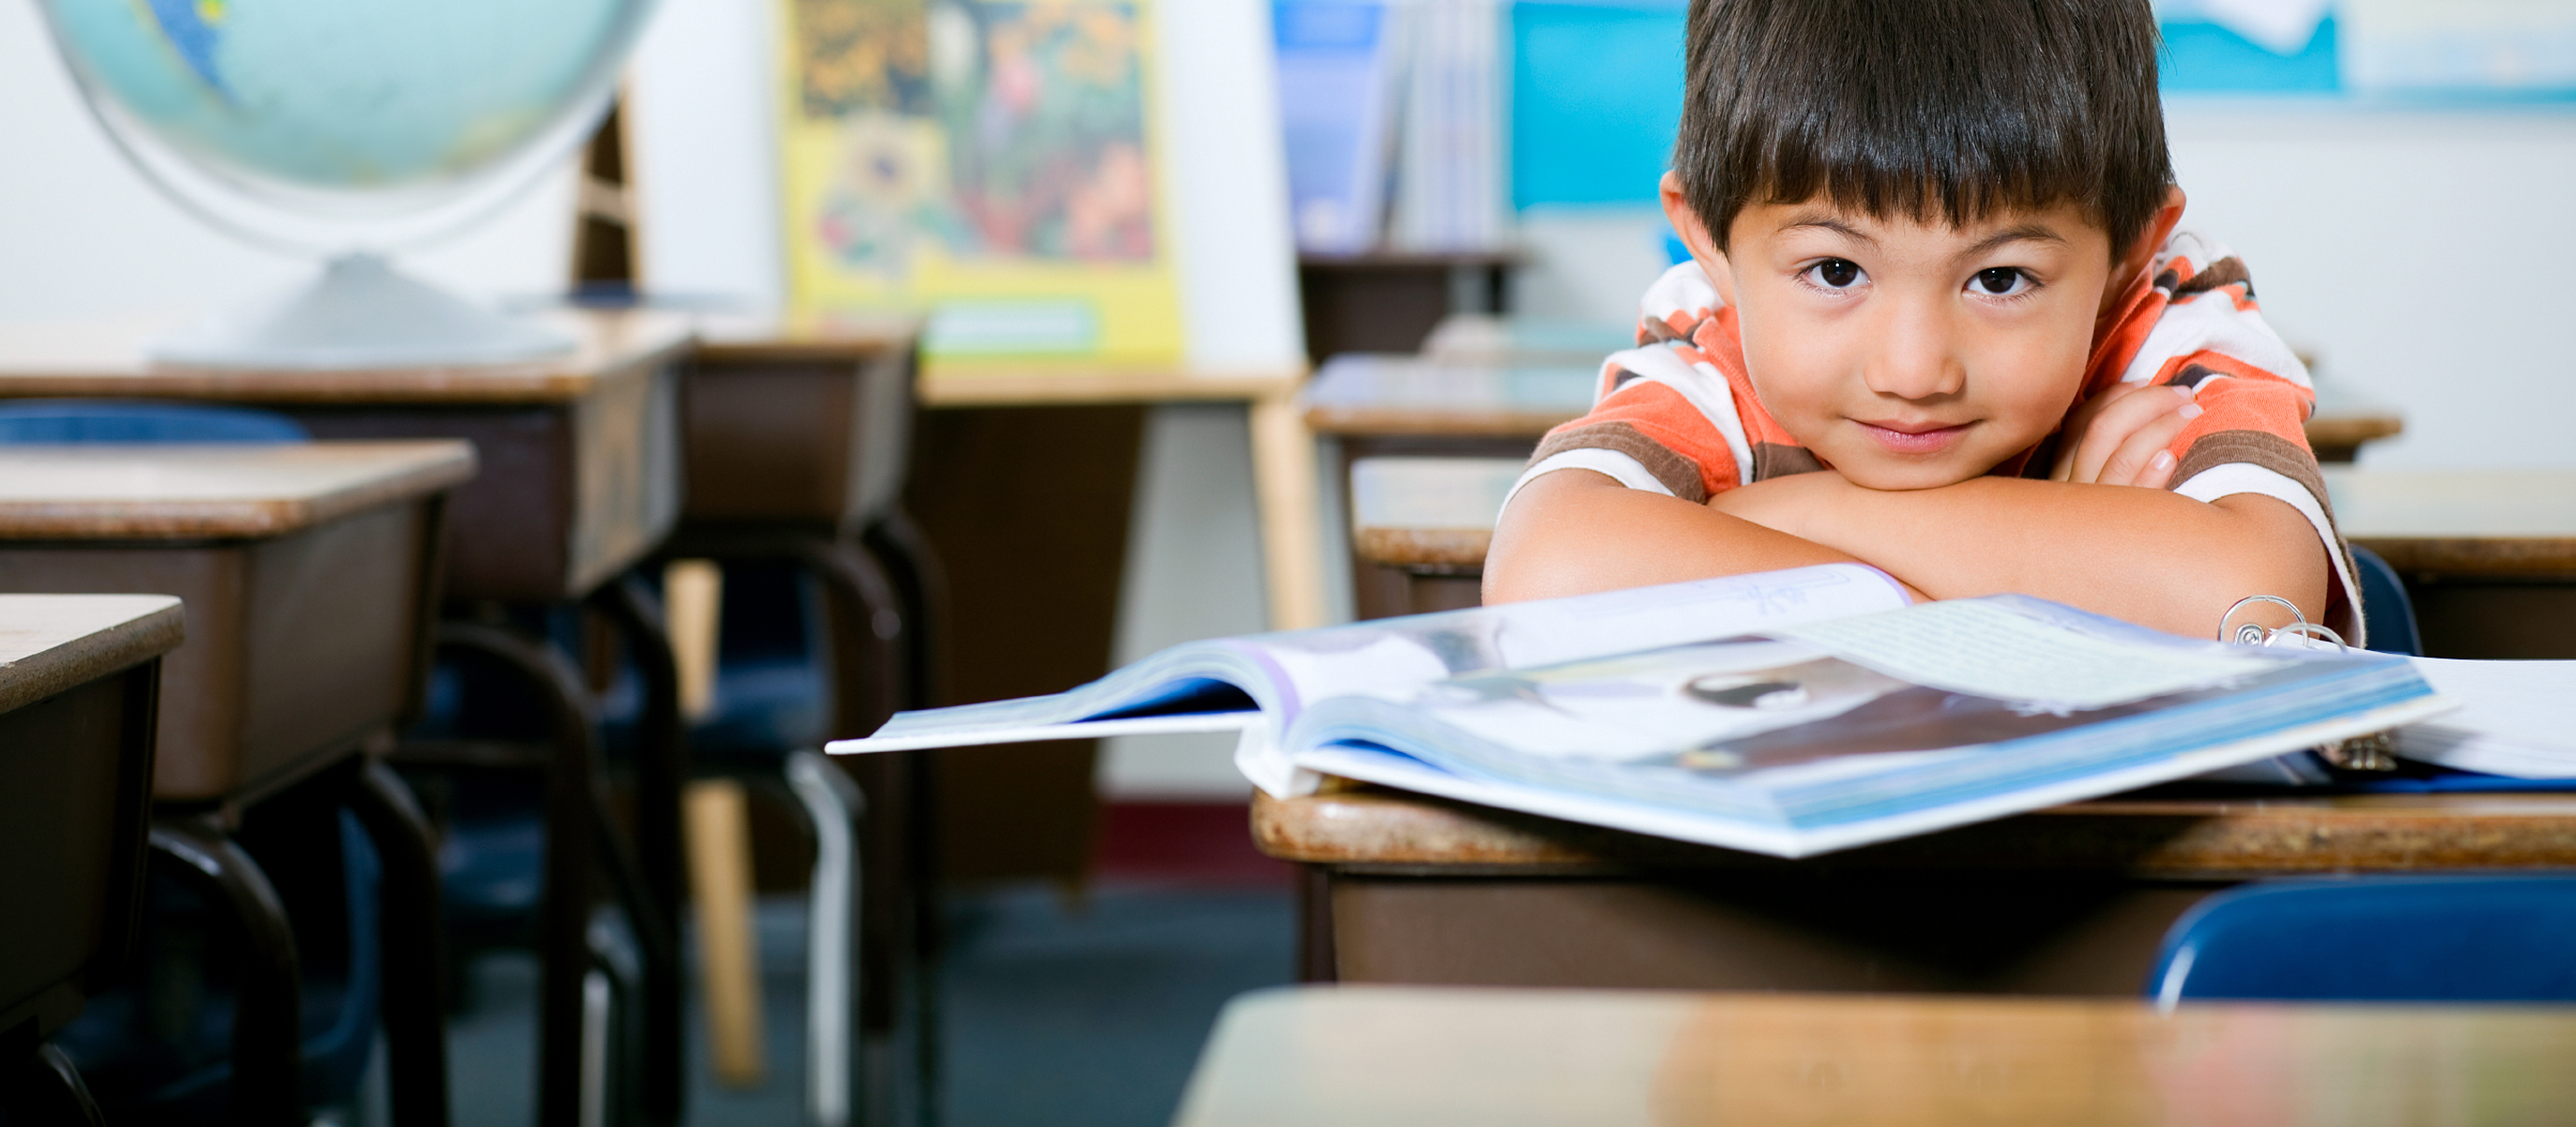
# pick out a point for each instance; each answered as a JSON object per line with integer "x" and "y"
{"x": 2279, "y": 554}
{"x": 1544, "y": 543}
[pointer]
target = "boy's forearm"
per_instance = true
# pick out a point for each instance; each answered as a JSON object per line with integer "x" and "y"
{"x": 2144, "y": 555}
{"x": 1575, "y": 531}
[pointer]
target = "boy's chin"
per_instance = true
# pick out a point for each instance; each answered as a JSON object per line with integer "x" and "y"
{"x": 1902, "y": 476}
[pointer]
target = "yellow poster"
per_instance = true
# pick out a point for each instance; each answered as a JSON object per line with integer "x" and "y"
{"x": 991, "y": 164}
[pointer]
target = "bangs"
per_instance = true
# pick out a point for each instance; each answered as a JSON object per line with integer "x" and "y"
{"x": 1947, "y": 110}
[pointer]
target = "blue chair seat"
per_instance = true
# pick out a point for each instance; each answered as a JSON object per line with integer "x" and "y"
{"x": 2377, "y": 939}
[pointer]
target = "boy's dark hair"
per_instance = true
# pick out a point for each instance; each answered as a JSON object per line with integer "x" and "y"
{"x": 1954, "y": 108}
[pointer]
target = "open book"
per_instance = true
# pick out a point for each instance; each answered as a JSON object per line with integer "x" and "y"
{"x": 1788, "y": 712}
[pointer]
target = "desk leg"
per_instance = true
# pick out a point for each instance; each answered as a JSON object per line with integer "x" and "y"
{"x": 45, "y": 1088}
{"x": 1315, "y": 956}
{"x": 913, "y": 565}
{"x": 563, "y": 943}
{"x": 897, "y": 936}
{"x": 1292, "y": 547}
{"x": 415, "y": 956}
{"x": 268, "y": 1011}
{"x": 661, "y": 770}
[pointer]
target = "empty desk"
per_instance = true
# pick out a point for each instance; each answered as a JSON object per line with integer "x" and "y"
{"x": 2489, "y": 556}
{"x": 78, "y": 676}
{"x": 581, "y": 480}
{"x": 307, "y": 572}
{"x": 1364, "y": 1057}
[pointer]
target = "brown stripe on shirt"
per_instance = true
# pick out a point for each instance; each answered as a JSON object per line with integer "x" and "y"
{"x": 2258, "y": 448}
{"x": 1677, "y": 473}
{"x": 2226, "y": 271}
{"x": 2291, "y": 460}
{"x": 1774, "y": 459}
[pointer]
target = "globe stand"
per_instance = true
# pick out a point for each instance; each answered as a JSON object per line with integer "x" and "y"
{"x": 360, "y": 313}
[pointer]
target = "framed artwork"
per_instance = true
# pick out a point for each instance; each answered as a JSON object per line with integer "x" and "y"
{"x": 992, "y": 164}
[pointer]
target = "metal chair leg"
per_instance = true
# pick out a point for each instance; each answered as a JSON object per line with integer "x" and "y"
{"x": 45, "y": 1090}
{"x": 268, "y": 1007}
{"x": 899, "y": 928}
{"x": 572, "y": 828}
{"x": 414, "y": 931}
{"x": 661, "y": 770}
{"x": 834, "y": 805}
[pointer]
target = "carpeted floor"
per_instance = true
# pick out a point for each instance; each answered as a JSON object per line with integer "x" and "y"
{"x": 1059, "y": 1012}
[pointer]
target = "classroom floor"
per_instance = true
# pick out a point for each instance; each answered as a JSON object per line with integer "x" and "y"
{"x": 1080, "y": 1013}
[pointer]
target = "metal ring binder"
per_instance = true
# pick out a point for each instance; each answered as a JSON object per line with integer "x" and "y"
{"x": 2373, "y": 752}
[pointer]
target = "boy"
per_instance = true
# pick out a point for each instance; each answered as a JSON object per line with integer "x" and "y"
{"x": 1938, "y": 319}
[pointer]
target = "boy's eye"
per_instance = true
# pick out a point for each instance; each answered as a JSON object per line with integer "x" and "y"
{"x": 1836, "y": 273}
{"x": 1999, "y": 280}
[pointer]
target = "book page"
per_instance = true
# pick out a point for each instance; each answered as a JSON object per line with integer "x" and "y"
{"x": 2515, "y": 721}
{"x": 1392, "y": 658}
{"x": 1984, "y": 649}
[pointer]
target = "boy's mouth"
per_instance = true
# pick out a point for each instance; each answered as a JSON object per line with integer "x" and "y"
{"x": 1902, "y": 437}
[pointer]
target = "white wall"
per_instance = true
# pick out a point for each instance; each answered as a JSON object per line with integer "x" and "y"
{"x": 83, "y": 237}
{"x": 2418, "y": 255}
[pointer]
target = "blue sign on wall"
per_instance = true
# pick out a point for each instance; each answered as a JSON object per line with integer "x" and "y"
{"x": 1596, "y": 96}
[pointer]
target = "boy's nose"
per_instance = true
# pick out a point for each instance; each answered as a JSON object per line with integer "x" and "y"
{"x": 1914, "y": 359}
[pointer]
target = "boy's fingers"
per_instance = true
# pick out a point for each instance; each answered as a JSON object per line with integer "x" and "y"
{"x": 2109, "y": 433}
{"x": 2145, "y": 457}
{"x": 2078, "y": 427}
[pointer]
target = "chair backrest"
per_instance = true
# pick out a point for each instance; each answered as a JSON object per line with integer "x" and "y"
{"x": 2384, "y": 605}
{"x": 81, "y": 420}
{"x": 2377, "y": 939}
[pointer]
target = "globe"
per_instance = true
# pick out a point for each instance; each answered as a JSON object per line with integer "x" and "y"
{"x": 350, "y": 128}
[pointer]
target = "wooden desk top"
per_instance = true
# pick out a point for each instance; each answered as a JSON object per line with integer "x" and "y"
{"x": 1359, "y": 1056}
{"x": 100, "y": 491}
{"x": 1406, "y": 395}
{"x": 49, "y": 643}
{"x": 1428, "y": 512}
{"x": 1439, "y": 513}
{"x": 1369, "y": 828}
{"x": 1463, "y": 392}
{"x": 2502, "y": 523}
{"x": 728, "y": 338}
{"x": 106, "y": 358}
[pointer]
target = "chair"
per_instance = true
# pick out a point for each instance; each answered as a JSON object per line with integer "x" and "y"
{"x": 2389, "y": 614}
{"x": 2376, "y": 939}
{"x": 158, "y": 1049}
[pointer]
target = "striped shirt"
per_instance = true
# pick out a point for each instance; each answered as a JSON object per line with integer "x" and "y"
{"x": 1677, "y": 415}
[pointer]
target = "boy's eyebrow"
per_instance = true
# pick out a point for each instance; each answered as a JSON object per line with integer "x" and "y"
{"x": 2031, "y": 232}
{"x": 1827, "y": 222}
{"x": 2020, "y": 233}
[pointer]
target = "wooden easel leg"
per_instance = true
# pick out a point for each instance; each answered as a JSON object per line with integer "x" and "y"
{"x": 1292, "y": 547}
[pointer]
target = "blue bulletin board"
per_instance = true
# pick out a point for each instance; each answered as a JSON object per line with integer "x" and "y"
{"x": 1596, "y": 84}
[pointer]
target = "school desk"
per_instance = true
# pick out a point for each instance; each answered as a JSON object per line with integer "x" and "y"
{"x": 1363, "y": 1057}
{"x": 2488, "y": 556}
{"x": 580, "y": 479}
{"x": 78, "y": 675}
{"x": 798, "y": 439}
{"x": 308, "y": 574}
{"x": 2073, "y": 900}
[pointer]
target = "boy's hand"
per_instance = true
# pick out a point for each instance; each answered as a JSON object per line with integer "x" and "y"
{"x": 2120, "y": 436}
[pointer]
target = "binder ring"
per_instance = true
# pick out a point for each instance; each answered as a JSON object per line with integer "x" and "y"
{"x": 2253, "y": 634}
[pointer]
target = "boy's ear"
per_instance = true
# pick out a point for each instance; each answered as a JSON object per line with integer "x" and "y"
{"x": 1694, "y": 234}
{"x": 2134, "y": 260}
